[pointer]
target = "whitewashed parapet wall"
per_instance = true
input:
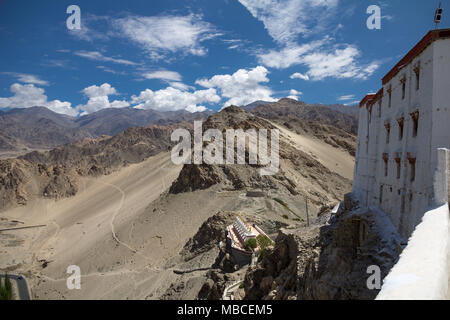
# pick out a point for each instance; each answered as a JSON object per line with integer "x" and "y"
{"x": 422, "y": 273}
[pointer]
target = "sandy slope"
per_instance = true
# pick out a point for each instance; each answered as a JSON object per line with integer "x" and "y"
{"x": 125, "y": 232}
{"x": 122, "y": 230}
{"x": 334, "y": 159}
{"x": 85, "y": 229}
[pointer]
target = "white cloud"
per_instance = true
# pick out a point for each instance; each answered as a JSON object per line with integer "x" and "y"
{"x": 98, "y": 91}
{"x": 172, "y": 99}
{"x": 180, "y": 86}
{"x": 160, "y": 35}
{"x": 109, "y": 70}
{"x": 163, "y": 75}
{"x": 234, "y": 43}
{"x": 289, "y": 56}
{"x": 322, "y": 61}
{"x": 26, "y": 96}
{"x": 99, "y": 99}
{"x": 27, "y": 78}
{"x": 294, "y": 94}
{"x": 339, "y": 64}
{"x": 352, "y": 103}
{"x": 242, "y": 87}
{"x": 299, "y": 75}
{"x": 90, "y": 26}
{"x": 194, "y": 108}
{"x": 97, "y": 56}
{"x": 346, "y": 97}
{"x": 285, "y": 20}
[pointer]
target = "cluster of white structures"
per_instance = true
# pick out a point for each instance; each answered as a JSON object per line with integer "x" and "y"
{"x": 243, "y": 231}
{"x": 402, "y": 164}
{"x": 237, "y": 235}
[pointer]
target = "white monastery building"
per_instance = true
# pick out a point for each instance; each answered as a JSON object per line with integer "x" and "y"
{"x": 404, "y": 131}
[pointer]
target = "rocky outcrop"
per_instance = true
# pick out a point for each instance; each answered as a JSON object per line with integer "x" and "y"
{"x": 326, "y": 261}
{"x": 210, "y": 234}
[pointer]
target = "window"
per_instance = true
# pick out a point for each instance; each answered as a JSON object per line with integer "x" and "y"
{"x": 412, "y": 165}
{"x": 403, "y": 82}
{"x": 399, "y": 167}
{"x": 386, "y": 161}
{"x": 401, "y": 123}
{"x": 415, "y": 118}
{"x": 388, "y": 131}
{"x": 390, "y": 96}
{"x": 402, "y": 209}
{"x": 417, "y": 72}
{"x": 381, "y": 194}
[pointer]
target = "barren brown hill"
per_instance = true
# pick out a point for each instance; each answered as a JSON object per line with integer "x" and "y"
{"x": 333, "y": 126}
{"x": 131, "y": 237}
{"x": 55, "y": 173}
{"x": 38, "y": 128}
{"x": 301, "y": 171}
{"x": 292, "y": 109}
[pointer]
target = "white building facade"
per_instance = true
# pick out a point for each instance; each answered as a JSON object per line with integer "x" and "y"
{"x": 399, "y": 168}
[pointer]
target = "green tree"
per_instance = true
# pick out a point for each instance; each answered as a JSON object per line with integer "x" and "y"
{"x": 5, "y": 288}
{"x": 263, "y": 241}
{"x": 250, "y": 244}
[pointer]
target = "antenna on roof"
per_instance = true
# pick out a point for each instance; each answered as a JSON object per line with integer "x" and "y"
{"x": 438, "y": 15}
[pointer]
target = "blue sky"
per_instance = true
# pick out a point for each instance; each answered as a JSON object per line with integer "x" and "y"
{"x": 197, "y": 54}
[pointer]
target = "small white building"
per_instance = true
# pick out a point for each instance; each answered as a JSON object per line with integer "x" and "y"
{"x": 398, "y": 166}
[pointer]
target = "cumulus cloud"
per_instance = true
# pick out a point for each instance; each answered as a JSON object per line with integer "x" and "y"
{"x": 294, "y": 94}
{"x": 172, "y": 99}
{"x": 99, "y": 99}
{"x": 27, "y": 78}
{"x": 160, "y": 35}
{"x": 26, "y": 96}
{"x": 242, "y": 87}
{"x": 97, "y": 56}
{"x": 285, "y": 20}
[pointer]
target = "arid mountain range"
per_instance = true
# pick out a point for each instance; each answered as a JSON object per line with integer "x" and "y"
{"x": 141, "y": 227}
{"x": 38, "y": 128}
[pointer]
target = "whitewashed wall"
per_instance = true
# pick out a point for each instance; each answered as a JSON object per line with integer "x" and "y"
{"x": 433, "y": 102}
{"x": 422, "y": 273}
